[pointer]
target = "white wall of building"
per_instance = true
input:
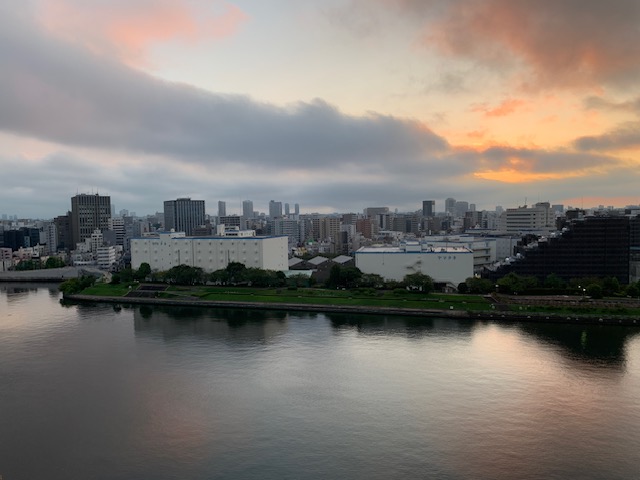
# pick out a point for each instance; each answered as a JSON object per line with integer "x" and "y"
{"x": 209, "y": 253}
{"x": 450, "y": 264}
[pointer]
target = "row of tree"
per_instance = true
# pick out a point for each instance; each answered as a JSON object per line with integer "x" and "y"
{"x": 513, "y": 283}
{"x": 38, "y": 264}
{"x": 238, "y": 274}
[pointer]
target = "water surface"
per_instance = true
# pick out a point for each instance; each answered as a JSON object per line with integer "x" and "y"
{"x": 104, "y": 392}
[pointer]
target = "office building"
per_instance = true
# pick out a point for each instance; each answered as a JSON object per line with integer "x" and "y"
{"x": 88, "y": 213}
{"x": 222, "y": 209}
{"x": 183, "y": 215}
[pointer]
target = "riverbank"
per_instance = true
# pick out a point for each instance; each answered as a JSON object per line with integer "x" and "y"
{"x": 490, "y": 315}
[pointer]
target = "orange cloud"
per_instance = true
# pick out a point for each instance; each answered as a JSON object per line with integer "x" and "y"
{"x": 510, "y": 175}
{"x": 507, "y": 107}
{"x": 127, "y": 29}
{"x": 564, "y": 44}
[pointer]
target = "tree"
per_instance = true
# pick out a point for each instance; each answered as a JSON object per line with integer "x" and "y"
{"x": 419, "y": 281}
{"x": 371, "y": 280}
{"x": 345, "y": 277}
{"x": 143, "y": 272}
{"x": 76, "y": 285}
{"x": 594, "y": 290}
{"x": 633, "y": 290}
{"x": 54, "y": 262}
{"x": 554, "y": 282}
{"x": 610, "y": 286}
{"x": 185, "y": 275}
{"x": 219, "y": 277}
{"x": 334, "y": 277}
{"x": 514, "y": 283}
{"x": 478, "y": 285}
{"x": 237, "y": 272}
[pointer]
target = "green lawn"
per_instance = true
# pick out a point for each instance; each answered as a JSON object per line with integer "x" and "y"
{"x": 107, "y": 290}
{"x": 312, "y": 296}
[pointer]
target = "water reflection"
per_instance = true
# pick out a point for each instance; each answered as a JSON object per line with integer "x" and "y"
{"x": 232, "y": 325}
{"x": 591, "y": 344}
{"x": 414, "y": 327}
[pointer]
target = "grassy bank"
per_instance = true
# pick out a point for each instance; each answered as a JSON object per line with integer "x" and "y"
{"x": 309, "y": 296}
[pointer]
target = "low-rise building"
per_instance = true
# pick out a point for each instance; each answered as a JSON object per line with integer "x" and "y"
{"x": 444, "y": 264}
{"x": 170, "y": 249}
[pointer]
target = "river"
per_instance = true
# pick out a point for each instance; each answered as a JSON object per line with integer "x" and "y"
{"x": 113, "y": 392}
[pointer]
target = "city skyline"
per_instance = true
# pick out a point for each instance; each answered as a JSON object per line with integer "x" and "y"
{"x": 342, "y": 104}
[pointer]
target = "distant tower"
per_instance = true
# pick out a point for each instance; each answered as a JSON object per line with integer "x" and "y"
{"x": 450, "y": 206}
{"x": 296, "y": 209}
{"x": 222, "y": 209}
{"x": 275, "y": 209}
{"x": 428, "y": 208}
{"x": 247, "y": 209}
{"x": 183, "y": 215}
{"x": 286, "y": 209}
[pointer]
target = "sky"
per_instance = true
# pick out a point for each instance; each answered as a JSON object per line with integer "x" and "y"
{"x": 336, "y": 105}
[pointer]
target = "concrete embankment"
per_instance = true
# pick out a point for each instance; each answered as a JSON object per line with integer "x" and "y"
{"x": 411, "y": 312}
{"x": 49, "y": 275}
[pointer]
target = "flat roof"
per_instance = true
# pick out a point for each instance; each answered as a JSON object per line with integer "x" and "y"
{"x": 398, "y": 250}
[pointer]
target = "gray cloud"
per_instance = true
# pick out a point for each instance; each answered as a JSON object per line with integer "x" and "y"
{"x": 54, "y": 91}
{"x": 564, "y": 43}
{"x": 626, "y": 135}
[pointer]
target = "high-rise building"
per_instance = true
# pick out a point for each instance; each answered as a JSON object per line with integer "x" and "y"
{"x": 222, "y": 209}
{"x": 461, "y": 208}
{"x": 247, "y": 209}
{"x": 89, "y": 212}
{"x": 63, "y": 232}
{"x": 275, "y": 209}
{"x": 296, "y": 209}
{"x": 183, "y": 215}
{"x": 450, "y": 206}
{"x": 428, "y": 208}
{"x": 372, "y": 212}
{"x": 286, "y": 209}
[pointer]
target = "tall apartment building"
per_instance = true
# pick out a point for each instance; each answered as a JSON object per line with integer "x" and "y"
{"x": 450, "y": 206}
{"x": 88, "y": 213}
{"x": 247, "y": 209}
{"x": 275, "y": 209}
{"x": 183, "y": 215}
{"x": 222, "y": 209}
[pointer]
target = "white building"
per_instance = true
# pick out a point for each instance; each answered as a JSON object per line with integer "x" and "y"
{"x": 483, "y": 248}
{"x": 106, "y": 256}
{"x": 444, "y": 264}
{"x": 538, "y": 219}
{"x": 166, "y": 250}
